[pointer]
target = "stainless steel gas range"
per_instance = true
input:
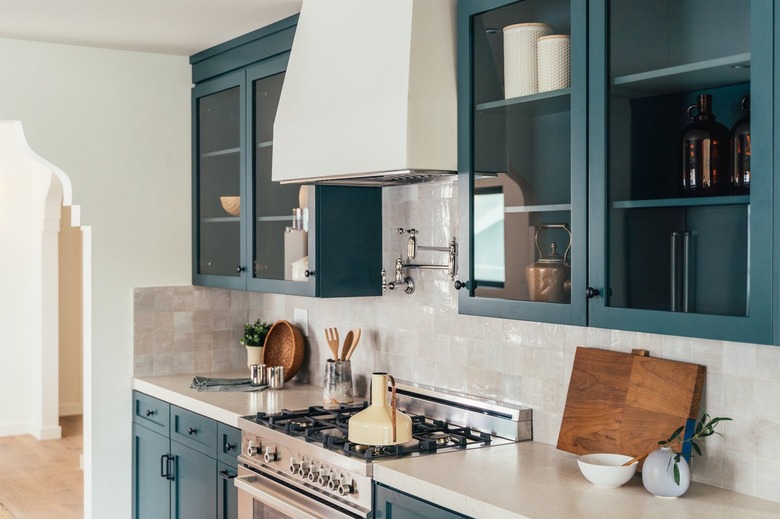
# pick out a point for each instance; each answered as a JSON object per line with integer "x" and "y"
{"x": 300, "y": 464}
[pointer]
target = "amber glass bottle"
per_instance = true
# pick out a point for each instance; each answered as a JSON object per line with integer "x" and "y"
{"x": 705, "y": 151}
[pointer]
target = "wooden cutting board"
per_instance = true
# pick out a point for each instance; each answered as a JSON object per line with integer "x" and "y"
{"x": 624, "y": 403}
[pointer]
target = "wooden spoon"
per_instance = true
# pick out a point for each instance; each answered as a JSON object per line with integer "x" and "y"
{"x": 355, "y": 340}
{"x": 347, "y": 345}
{"x": 332, "y": 336}
{"x": 629, "y": 462}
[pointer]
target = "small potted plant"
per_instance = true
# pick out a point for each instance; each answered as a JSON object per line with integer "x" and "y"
{"x": 253, "y": 339}
{"x": 665, "y": 472}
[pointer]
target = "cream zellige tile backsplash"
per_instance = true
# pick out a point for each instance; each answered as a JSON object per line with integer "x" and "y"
{"x": 422, "y": 338}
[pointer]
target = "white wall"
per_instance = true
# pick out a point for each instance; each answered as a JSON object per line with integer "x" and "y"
{"x": 118, "y": 123}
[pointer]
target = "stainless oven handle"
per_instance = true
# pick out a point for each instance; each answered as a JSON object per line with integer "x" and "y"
{"x": 270, "y": 497}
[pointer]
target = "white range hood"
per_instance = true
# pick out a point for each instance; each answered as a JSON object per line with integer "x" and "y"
{"x": 370, "y": 94}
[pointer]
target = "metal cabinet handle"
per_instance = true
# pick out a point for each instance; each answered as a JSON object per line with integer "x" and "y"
{"x": 591, "y": 292}
{"x": 460, "y": 284}
{"x": 240, "y": 269}
{"x": 165, "y": 466}
{"x": 229, "y": 447}
{"x": 149, "y": 412}
{"x": 227, "y": 475}
{"x": 192, "y": 431}
{"x": 308, "y": 273}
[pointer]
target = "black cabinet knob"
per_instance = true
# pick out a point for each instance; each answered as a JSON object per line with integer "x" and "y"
{"x": 149, "y": 412}
{"x": 240, "y": 269}
{"x": 458, "y": 284}
{"x": 591, "y": 292}
{"x": 308, "y": 273}
{"x": 229, "y": 447}
{"x": 191, "y": 431}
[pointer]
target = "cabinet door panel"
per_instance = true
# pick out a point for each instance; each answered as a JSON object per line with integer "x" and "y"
{"x": 194, "y": 485}
{"x": 151, "y": 489}
{"x": 227, "y": 493}
{"x": 523, "y": 171}
{"x": 218, "y": 183}
{"x": 392, "y": 504}
{"x": 667, "y": 258}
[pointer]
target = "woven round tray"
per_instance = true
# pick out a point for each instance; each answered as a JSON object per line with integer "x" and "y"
{"x": 284, "y": 347}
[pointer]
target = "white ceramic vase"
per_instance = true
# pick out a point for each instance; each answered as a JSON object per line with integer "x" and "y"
{"x": 658, "y": 474}
{"x": 254, "y": 355}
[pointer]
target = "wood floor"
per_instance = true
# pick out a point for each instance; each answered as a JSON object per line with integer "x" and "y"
{"x": 42, "y": 479}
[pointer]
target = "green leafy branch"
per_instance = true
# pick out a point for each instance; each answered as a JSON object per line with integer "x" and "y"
{"x": 254, "y": 333}
{"x": 704, "y": 427}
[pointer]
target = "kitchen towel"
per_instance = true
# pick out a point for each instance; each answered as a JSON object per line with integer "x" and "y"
{"x": 224, "y": 384}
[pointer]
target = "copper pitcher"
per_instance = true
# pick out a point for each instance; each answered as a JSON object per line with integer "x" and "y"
{"x": 549, "y": 278}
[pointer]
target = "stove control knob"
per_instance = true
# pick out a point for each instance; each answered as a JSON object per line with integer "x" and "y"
{"x": 313, "y": 474}
{"x": 294, "y": 464}
{"x": 345, "y": 488}
{"x": 303, "y": 469}
{"x": 333, "y": 482}
{"x": 253, "y": 448}
{"x": 323, "y": 478}
{"x": 270, "y": 455}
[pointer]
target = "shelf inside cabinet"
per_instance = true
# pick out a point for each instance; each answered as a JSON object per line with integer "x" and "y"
{"x": 691, "y": 76}
{"x": 548, "y": 208}
{"x": 265, "y": 144}
{"x": 274, "y": 218}
{"x": 221, "y": 219}
{"x": 218, "y": 153}
{"x": 546, "y": 103}
{"x": 704, "y": 201}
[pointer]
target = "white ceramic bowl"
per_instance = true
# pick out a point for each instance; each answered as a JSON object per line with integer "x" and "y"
{"x": 606, "y": 470}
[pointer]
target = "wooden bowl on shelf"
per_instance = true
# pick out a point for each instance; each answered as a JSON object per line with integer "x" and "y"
{"x": 231, "y": 205}
{"x": 284, "y": 347}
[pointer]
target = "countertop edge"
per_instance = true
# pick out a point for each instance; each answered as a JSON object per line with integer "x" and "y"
{"x": 187, "y": 402}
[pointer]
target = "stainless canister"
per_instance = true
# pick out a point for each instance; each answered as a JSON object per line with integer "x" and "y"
{"x": 258, "y": 375}
{"x": 275, "y": 377}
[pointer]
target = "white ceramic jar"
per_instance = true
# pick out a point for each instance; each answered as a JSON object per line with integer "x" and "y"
{"x": 520, "y": 58}
{"x": 553, "y": 58}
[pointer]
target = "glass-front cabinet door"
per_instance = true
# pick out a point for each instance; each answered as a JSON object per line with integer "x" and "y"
{"x": 281, "y": 229}
{"x": 217, "y": 155}
{"x": 681, "y": 168}
{"x": 522, "y": 159}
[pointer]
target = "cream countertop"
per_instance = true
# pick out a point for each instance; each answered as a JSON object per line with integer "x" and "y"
{"x": 533, "y": 480}
{"x": 527, "y": 480}
{"x": 226, "y": 407}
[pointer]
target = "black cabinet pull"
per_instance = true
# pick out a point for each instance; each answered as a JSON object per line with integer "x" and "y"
{"x": 149, "y": 412}
{"x": 229, "y": 447}
{"x": 240, "y": 269}
{"x": 192, "y": 431}
{"x": 591, "y": 292}
{"x": 460, "y": 284}
{"x": 165, "y": 466}
{"x": 308, "y": 273}
{"x": 226, "y": 475}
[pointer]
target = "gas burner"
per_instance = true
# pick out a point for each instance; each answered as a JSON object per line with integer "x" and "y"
{"x": 439, "y": 438}
{"x": 301, "y": 423}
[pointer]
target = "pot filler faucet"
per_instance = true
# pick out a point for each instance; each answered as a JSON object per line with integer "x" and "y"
{"x": 403, "y": 280}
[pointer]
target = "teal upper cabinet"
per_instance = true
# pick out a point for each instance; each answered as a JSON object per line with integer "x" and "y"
{"x": 523, "y": 158}
{"x": 658, "y": 159}
{"x": 252, "y": 233}
{"x": 681, "y": 218}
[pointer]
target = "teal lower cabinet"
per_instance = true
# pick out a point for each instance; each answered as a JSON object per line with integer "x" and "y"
{"x": 393, "y": 504}
{"x": 184, "y": 468}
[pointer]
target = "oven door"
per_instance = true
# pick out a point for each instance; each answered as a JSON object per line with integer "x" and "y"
{"x": 261, "y": 496}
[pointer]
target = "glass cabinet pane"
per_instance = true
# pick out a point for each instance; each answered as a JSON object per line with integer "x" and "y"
{"x": 281, "y": 213}
{"x": 678, "y": 73}
{"x": 521, "y": 165}
{"x": 219, "y": 182}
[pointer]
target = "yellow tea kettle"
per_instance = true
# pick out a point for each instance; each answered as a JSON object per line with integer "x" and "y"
{"x": 379, "y": 423}
{"x": 549, "y": 278}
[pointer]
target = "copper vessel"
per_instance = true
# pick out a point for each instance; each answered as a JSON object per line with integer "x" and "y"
{"x": 549, "y": 277}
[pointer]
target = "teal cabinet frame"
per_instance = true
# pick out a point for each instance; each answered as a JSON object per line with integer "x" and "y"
{"x": 757, "y": 326}
{"x": 345, "y": 223}
{"x": 575, "y": 312}
{"x": 184, "y": 468}
{"x": 590, "y": 189}
{"x": 390, "y": 503}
